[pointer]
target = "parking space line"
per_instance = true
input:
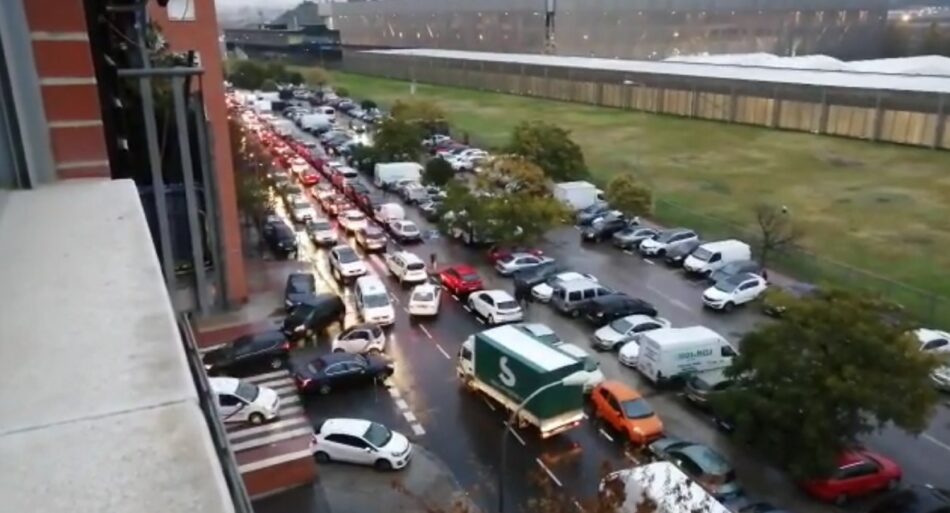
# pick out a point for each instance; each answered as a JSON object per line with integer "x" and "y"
{"x": 394, "y": 298}
{"x": 517, "y": 436}
{"x": 404, "y": 309}
{"x": 578, "y": 506}
{"x": 467, "y": 309}
{"x": 630, "y": 457}
{"x": 426, "y": 331}
{"x": 444, "y": 353}
{"x": 402, "y": 404}
{"x": 394, "y": 392}
{"x": 606, "y": 434}
{"x": 651, "y": 262}
{"x": 549, "y": 473}
{"x": 264, "y": 377}
{"x": 930, "y": 438}
{"x": 627, "y": 251}
{"x": 479, "y": 319}
{"x": 490, "y": 405}
{"x": 410, "y": 417}
{"x": 418, "y": 429}
{"x": 455, "y": 297}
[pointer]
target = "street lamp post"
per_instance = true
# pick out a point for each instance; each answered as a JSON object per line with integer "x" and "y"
{"x": 575, "y": 379}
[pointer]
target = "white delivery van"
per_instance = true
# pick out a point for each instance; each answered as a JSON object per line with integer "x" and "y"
{"x": 670, "y": 353}
{"x": 314, "y": 121}
{"x": 388, "y": 173}
{"x": 389, "y": 212}
{"x": 661, "y": 484}
{"x": 578, "y": 195}
{"x": 712, "y": 256}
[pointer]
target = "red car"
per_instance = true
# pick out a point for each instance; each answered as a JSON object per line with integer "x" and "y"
{"x": 309, "y": 177}
{"x": 858, "y": 473}
{"x": 461, "y": 279}
{"x": 497, "y": 253}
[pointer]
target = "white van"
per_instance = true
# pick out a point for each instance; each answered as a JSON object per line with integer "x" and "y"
{"x": 372, "y": 301}
{"x": 389, "y": 212}
{"x": 388, "y": 173}
{"x": 240, "y": 401}
{"x": 712, "y": 256}
{"x": 664, "y": 485}
{"x": 314, "y": 121}
{"x": 670, "y": 353}
{"x": 329, "y": 112}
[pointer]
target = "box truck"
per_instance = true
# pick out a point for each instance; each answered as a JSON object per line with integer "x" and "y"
{"x": 659, "y": 487}
{"x": 507, "y": 365}
{"x": 675, "y": 353}
{"x": 386, "y": 174}
{"x": 578, "y": 195}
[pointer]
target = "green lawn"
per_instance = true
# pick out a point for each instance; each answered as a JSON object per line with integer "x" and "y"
{"x": 881, "y": 208}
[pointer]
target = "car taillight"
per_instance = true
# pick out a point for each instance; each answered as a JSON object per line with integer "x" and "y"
{"x": 303, "y": 382}
{"x": 285, "y": 346}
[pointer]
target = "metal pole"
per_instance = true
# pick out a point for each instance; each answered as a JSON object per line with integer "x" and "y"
{"x": 158, "y": 185}
{"x": 504, "y": 442}
{"x": 191, "y": 200}
{"x": 212, "y": 212}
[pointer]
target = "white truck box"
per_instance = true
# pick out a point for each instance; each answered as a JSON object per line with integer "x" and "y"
{"x": 391, "y": 172}
{"x": 669, "y": 353}
{"x": 578, "y": 195}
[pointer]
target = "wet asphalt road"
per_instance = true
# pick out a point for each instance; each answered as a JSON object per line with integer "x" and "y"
{"x": 465, "y": 431}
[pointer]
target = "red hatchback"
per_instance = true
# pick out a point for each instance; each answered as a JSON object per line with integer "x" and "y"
{"x": 497, "y": 253}
{"x": 461, "y": 279}
{"x": 858, "y": 473}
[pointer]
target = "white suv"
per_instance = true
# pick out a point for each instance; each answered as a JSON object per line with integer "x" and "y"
{"x": 734, "y": 291}
{"x": 495, "y": 306}
{"x": 667, "y": 240}
{"x": 360, "y": 441}
{"x": 406, "y": 267}
{"x": 240, "y": 401}
{"x": 345, "y": 263}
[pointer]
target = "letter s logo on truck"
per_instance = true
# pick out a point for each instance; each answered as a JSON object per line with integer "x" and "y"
{"x": 506, "y": 376}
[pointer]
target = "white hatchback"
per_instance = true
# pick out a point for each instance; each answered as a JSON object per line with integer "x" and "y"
{"x": 240, "y": 401}
{"x": 620, "y": 331}
{"x": 424, "y": 300}
{"x": 734, "y": 291}
{"x": 543, "y": 291}
{"x": 352, "y": 221}
{"x": 362, "y": 442}
{"x": 495, "y": 306}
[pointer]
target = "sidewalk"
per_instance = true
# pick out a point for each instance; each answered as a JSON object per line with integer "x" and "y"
{"x": 425, "y": 486}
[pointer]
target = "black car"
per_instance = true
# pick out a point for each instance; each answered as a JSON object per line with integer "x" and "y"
{"x": 587, "y": 215}
{"x": 268, "y": 349}
{"x": 299, "y": 287}
{"x": 313, "y": 315}
{"x": 736, "y": 268}
{"x": 334, "y": 370}
{"x": 430, "y": 210}
{"x": 914, "y": 499}
{"x": 279, "y": 237}
{"x": 675, "y": 256}
{"x": 604, "y": 309}
{"x": 604, "y": 228}
{"x": 527, "y": 279}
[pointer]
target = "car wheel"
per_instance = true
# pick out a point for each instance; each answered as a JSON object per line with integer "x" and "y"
{"x": 661, "y": 253}
{"x": 383, "y": 465}
{"x": 256, "y": 418}
{"x": 491, "y": 319}
{"x": 321, "y": 457}
{"x": 575, "y": 313}
{"x": 324, "y": 389}
{"x": 276, "y": 363}
{"x": 893, "y": 484}
{"x": 728, "y": 306}
{"x": 338, "y": 350}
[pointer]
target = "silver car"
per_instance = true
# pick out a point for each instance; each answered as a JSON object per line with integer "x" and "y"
{"x": 515, "y": 262}
{"x": 631, "y": 237}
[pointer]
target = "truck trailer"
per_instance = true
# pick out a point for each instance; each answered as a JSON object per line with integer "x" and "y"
{"x": 507, "y": 365}
{"x": 577, "y": 195}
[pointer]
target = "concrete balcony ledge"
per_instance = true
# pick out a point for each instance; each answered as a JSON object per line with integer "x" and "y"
{"x": 98, "y": 410}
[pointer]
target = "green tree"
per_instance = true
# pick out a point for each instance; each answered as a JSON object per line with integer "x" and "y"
{"x": 513, "y": 173}
{"x": 368, "y": 105}
{"x": 315, "y": 76}
{"x": 269, "y": 85}
{"x": 438, "y": 172}
{"x": 428, "y": 115}
{"x": 836, "y": 367}
{"x": 629, "y": 196}
{"x": 247, "y": 74}
{"x": 777, "y": 232}
{"x": 294, "y": 77}
{"x": 550, "y": 147}
{"x": 364, "y": 157}
{"x": 397, "y": 140}
{"x": 342, "y": 92}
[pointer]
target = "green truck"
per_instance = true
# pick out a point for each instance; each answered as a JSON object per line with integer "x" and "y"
{"x": 507, "y": 365}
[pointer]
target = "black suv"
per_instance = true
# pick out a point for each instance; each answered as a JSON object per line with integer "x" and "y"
{"x": 280, "y": 238}
{"x": 313, "y": 315}
{"x": 249, "y": 353}
{"x": 604, "y": 309}
{"x": 605, "y": 228}
{"x": 299, "y": 287}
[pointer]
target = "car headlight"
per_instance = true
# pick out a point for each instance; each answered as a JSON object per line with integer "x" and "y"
{"x": 208, "y": 366}
{"x": 299, "y": 328}
{"x": 637, "y": 430}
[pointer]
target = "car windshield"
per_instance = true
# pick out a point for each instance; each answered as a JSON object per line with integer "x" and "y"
{"x": 409, "y": 228}
{"x": 665, "y": 236}
{"x": 376, "y": 300}
{"x": 507, "y": 305}
{"x": 355, "y": 216}
{"x": 506, "y": 258}
{"x": 247, "y": 391}
{"x": 470, "y": 277}
{"x": 637, "y": 409}
{"x": 415, "y": 266}
{"x": 423, "y": 295}
{"x": 726, "y": 285}
{"x": 702, "y": 254}
{"x": 378, "y": 435}
{"x": 321, "y": 226}
{"x": 301, "y": 204}
{"x": 347, "y": 256}
{"x": 621, "y": 325}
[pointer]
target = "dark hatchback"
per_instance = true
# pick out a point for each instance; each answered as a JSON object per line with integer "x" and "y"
{"x": 339, "y": 370}
{"x": 268, "y": 349}
{"x": 675, "y": 256}
{"x": 280, "y": 238}
{"x": 313, "y": 315}
{"x": 525, "y": 280}
{"x": 604, "y": 309}
{"x": 299, "y": 288}
{"x": 604, "y": 228}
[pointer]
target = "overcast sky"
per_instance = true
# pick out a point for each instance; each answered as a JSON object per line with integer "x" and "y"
{"x": 226, "y": 4}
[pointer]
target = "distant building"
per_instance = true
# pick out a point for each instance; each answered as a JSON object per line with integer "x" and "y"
{"x": 305, "y": 41}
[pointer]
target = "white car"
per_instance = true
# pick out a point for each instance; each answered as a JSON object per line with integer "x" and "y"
{"x": 543, "y": 291}
{"x": 299, "y": 166}
{"x": 345, "y": 263}
{"x": 495, "y": 306}
{"x": 321, "y": 232}
{"x": 468, "y": 160}
{"x": 629, "y": 353}
{"x": 352, "y": 221}
{"x": 406, "y": 267}
{"x": 405, "y": 231}
{"x": 667, "y": 240}
{"x": 933, "y": 341}
{"x": 435, "y": 140}
{"x": 424, "y": 300}
{"x": 240, "y": 401}
{"x": 359, "y": 339}
{"x": 360, "y": 441}
{"x": 941, "y": 378}
{"x": 302, "y": 210}
{"x": 591, "y": 366}
{"x": 622, "y": 330}
{"x": 734, "y": 291}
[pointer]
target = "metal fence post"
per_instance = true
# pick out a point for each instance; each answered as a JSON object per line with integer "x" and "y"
{"x": 158, "y": 185}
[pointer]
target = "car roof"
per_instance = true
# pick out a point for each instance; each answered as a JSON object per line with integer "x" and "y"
{"x": 319, "y": 300}
{"x": 462, "y": 269}
{"x": 340, "y": 247}
{"x": 371, "y": 284}
{"x": 573, "y": 350}
{"x": 498, "y": 294}
{"x": 621, "y": 390}
{"x": 637, "y": 319}
{"x": 409, "y": 257}
{"x": 422, "y": 287}
{"x": 927, "y": 334}
{"x": 707, "y": 459}
{"x": 571, "y": 275}
{"x": 344, "y": 426}
{"x": 224, "y": 385}
{"x": 330, "y": 358}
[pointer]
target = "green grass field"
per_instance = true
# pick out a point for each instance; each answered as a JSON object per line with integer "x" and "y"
{"x": 881, "y": 208}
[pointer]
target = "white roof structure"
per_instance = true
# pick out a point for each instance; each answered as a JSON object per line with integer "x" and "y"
{"x": 929, "y": 74}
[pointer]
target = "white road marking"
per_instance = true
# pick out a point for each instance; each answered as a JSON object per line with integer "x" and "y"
{"x": 467, "y": 309}
{"x": 394, "y": 392}
{"x": 264, "y": 377}
{"x": 579, "y": 507}
{"x": 402, "y": 404}
{"x": 651, "y": 262}
{"x": 631, "y": 458}
{"x": 394, "y": 298}
{"x": 490, "y": 405}
{"x": 417, "y": 429}
{"x": 940, "y": 444}
{"x": 627, "y": 251}
{"x": 517, "y": 436}
{"x": 680, "y": 304}
{"x": 479, "y": 319}
{"x": 549, "y": 473}
{"x": 404, "y": 309}
{"x": 410, "y": 417}
{"x": 445, "y": 354}
{"x": 454, "y": 297}
{"x": 606, "y": 434}
{"x": 426, "y": 331}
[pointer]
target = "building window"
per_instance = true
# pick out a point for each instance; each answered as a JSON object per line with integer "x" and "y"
{"x": 181, "y": 10}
